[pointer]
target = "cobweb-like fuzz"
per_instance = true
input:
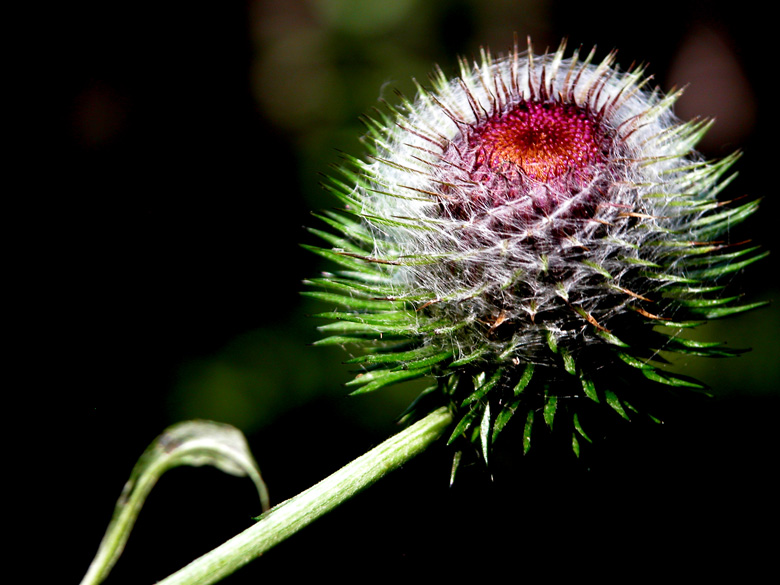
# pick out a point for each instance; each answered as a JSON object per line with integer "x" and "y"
{"x": 529, "y": 235}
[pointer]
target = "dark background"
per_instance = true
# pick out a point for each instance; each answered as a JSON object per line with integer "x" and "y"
{"x": 175, "y": 173}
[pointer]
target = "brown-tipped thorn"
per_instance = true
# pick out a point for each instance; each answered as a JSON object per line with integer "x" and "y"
{"x": 633, "y": 294}
{"x": 649, "y": 315}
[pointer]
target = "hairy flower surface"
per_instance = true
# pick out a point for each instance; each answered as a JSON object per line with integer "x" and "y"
{"x": 530, "y": 235}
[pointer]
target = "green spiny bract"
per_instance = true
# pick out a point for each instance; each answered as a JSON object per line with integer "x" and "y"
{"x": 529, "y": 235}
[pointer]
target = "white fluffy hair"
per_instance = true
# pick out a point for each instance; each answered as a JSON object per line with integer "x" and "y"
{"x": 505, "y": 263}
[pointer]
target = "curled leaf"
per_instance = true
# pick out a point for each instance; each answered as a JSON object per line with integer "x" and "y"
{"x": 193, "y": 443}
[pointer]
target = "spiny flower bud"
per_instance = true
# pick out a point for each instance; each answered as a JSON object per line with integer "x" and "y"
{"x": 530, "y": 234}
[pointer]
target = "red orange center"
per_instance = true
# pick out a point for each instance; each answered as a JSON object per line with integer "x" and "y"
{"x": 545, "y": 140}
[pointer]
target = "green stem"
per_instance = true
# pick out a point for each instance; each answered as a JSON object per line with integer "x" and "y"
{"x": 290, "y": 516}
{"x": 130, "y": 503}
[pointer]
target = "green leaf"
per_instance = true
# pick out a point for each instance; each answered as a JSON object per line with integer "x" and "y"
{"x": 529, "y": 423}
{"x": 602, "y": 271}
{"x": 670, "y": 278}
{"x": 725, "y": 221}
{"x": 423, "y": 259}
{"x": 375, "y": 380}
{"x": 629, "y": 406}
{"x": 484, "y": 432}
{"x": 589, "y": 387}
{"x": 387, "y": 319}
{"x": 193, "y": 443}
{"x": 669, "y": 379}
{"x": 375, "y": 291}
{"x": 348, "y": 227}
{"x": 397, "y": 356}
{"x": 342, "y": 191}
{"x": 693, "y": 343}
{"x": 689, "y": 253}
{"x": 455, "y": 465}
{"x": 613, "y": 401}
{"x": 727, "y": 311}
{"x": 524, "y": 379}
{"x": 568, "y": 362}
{"x": 633, "y": 361}
{"x": 412, "y": 224}
{"x": 470, "y": 358}
{"x": 718, "y": 271}
{"x": 442, "y": 326}
{"x": 337, "y": 241}
{"x": 427, "y": 361}
{"x": 683, "y": 292}
{"x": 639, "y": 262}
{"x": 690, "y": 260}
{"x": 339, "y": 340}
{"x": 506, "y": 413}
{"x": 552, "y": 341}
{"x": 609, "y": 337}
{"x": 681, "y": 324}
{"x": 463, "y": 425}
{"x": 370, "y": 331}
{"x": 703, "y": 348}
{"x": 549, "y": 410}
{"x": 578, "y": 428}
{"x": 482, "y": 390}
{"x": 729, "y": 216}
{"x": 355, "y": 303}
{"x": 342, "y": 260}
{"x": 699, "y": 303}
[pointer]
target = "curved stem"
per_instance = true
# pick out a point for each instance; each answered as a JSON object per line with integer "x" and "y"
{"x": 290, "y": 516}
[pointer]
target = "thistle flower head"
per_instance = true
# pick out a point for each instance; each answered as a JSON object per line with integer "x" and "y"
{"x": 529, "y": 235}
